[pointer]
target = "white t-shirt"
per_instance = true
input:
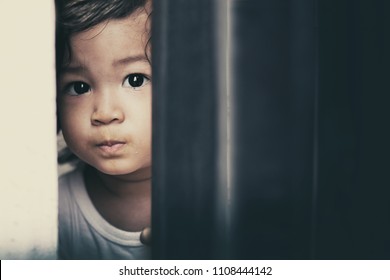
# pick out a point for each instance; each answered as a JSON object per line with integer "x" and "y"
{"x": 84, "y": 233}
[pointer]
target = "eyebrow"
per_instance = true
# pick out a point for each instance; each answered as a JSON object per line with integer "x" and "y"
{"x": 126, "y": 60}
{"x": 131, "y": 59}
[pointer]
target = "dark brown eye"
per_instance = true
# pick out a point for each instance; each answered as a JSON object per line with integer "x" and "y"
{"x": 81, "y": 87}
{"x": 77, "y": 88}
{"x": 136, "y": 80}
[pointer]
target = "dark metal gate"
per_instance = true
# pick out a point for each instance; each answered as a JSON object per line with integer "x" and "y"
{"x": 270, "y": 129}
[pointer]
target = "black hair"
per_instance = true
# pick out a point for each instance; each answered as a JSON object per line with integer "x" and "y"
{"x": 74, "y": 16}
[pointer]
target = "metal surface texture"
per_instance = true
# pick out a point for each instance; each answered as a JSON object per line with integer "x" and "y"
{"x": 185, "y": 129}
{"x": 270, "y": 129}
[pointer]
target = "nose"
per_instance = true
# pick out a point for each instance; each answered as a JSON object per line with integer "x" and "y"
{"x": 107, "y": 110}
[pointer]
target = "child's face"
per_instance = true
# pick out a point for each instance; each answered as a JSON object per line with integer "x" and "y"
{"x": 105, "y": 98}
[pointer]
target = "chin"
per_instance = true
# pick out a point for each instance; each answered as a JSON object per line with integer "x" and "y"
{"x": 115, "y": 171}
{"x": 120, "y": 167}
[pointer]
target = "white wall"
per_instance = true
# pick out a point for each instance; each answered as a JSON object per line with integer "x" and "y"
{"x": 28, "y": 170}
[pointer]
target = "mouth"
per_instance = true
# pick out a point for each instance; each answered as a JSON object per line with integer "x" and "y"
{"x": 111, "y": 146}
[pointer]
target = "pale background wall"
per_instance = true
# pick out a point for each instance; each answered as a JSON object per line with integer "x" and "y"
{"x": 28, "y": 170}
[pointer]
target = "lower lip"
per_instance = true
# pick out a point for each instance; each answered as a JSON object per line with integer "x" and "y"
{"x": 113, "y": 149}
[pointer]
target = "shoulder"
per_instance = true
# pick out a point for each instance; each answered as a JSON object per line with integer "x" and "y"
{"x": 68, "y": 210}
{"x": 66, "y": 182}
{"x": 71, "y": 180}
{"x": 69, "y": 185}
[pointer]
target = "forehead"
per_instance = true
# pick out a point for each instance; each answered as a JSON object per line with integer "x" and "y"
{"x": 111, "y": 39}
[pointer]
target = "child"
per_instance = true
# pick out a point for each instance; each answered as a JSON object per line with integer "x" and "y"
{"x": 104, "y": 108}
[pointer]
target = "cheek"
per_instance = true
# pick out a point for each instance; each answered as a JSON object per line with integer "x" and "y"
{"x": 141, "y": 133}
{"x": 73, "y": 112}
{"x": 72, "y": 125}
{"x": 145, "y": 128}
{"x": 67, "y": 119}
{"x": 147, "y": 140}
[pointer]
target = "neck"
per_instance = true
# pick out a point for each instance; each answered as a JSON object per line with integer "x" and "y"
{"x": 134, "y": 185}
{"x": 124, "y": 201}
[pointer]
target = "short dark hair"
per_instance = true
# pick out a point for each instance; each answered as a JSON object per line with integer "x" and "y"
{"x": 73, "y": 16}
